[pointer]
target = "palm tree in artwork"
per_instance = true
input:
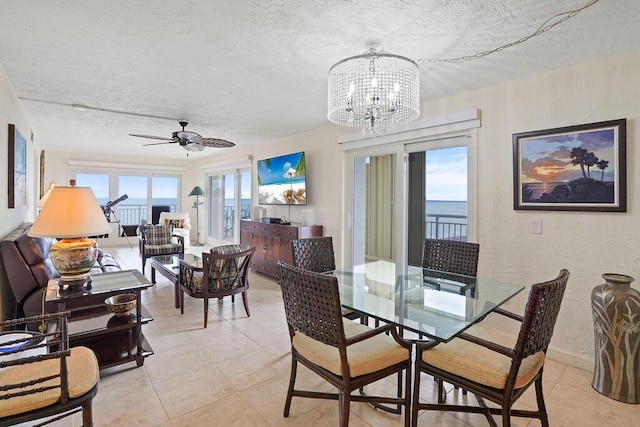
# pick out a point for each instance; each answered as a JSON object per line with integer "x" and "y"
{"x": 579, "y": 155}
{"x": 602, "y": 165}
{"x": 590, "y": 160}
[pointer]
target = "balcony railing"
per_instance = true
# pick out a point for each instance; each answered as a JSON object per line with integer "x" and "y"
{"x": 450, "y": 227}
{"x": 133, "y": 214}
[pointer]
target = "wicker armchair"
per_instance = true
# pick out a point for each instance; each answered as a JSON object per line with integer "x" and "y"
{"x": 156, "y": 240}
{"x": 346, "y": 354}
{"x": 487, "y": 363}
{"x": 316, "y": 254}
{"x": 35, "y": 384}
{"x": 224, "y": 272}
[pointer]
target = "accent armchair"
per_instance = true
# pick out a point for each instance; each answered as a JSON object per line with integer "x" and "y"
{"x": 181, "y": 222}
{"x": 157, "y": 240}
{"x": 224, "y": 272}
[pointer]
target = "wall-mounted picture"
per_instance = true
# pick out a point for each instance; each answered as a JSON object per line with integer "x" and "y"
{"x": 575, "y": 168}
{"x": 282, "y": 180}
{"x": 17, "y": 169}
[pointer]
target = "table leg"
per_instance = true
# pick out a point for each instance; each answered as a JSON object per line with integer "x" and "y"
{"x": 153, "y": 275}
{"x": 176, "y": 292}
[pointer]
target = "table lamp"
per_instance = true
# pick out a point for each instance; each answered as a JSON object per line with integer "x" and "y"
{"x": 197, "y": 191}
{"x": 71, "y": 214}
{"x": 45, "y": 196}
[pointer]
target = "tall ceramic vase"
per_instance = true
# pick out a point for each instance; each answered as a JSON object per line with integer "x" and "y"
{"x": 616, "y": 318}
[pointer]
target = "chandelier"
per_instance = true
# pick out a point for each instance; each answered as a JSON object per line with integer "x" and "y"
{"x": 374, "y": 91}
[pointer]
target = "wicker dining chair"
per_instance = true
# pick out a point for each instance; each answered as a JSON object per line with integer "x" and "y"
{"x": 316, "y": 254}
{"x": 36, "y": 383}
{"x": 451, "y": 256}
{"x": 347, "y": 354}
{"x": 489, "y": 365}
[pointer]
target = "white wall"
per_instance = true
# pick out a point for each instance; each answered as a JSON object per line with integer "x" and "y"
{"x": 587, "y": 244}
{"x": 11, "y": 112}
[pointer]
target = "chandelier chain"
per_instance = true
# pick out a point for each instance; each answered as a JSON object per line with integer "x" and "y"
{"x": 543, "y": 28}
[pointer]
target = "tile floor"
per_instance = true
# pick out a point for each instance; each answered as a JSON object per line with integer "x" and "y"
{"x": 235, "y": 373}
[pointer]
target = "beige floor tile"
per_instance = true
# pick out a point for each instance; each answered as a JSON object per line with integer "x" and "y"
{"x": 192, "y": 390}
{"x": 253, "y": 368}
{"x": 232, "y": 411}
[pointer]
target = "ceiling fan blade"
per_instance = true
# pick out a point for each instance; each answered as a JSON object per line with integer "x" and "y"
{"x": 157, "y": 143}
{"x": 217, "y": 143}
{"x": 193, "y": 146}
{"x": 161, "y": 138}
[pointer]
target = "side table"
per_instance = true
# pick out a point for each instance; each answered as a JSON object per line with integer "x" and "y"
{"x": 114, "y": 340}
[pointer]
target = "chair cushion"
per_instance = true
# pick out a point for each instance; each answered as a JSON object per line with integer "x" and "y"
{"x": 170, "y": 248}
{"x": 83, "y": 371}
{"x": 363, "y": 357}
{"x": 481, "y": 365}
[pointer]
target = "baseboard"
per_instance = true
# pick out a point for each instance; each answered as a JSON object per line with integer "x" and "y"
{"x": 571, "y": 359}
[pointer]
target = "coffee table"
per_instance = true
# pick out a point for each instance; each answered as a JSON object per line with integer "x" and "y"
{"x": 114, "y": 340}
{"x": 169, "y": 267}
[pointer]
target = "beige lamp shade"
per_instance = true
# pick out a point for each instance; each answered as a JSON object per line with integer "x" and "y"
{"x": 70, "y": 212}
{"x": 45, "y": 196}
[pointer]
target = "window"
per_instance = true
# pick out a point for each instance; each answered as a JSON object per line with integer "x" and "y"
{"x": 229, "y": 202}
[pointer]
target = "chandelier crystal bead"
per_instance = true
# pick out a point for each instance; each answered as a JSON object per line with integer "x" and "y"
{"x": 374, "y": 91}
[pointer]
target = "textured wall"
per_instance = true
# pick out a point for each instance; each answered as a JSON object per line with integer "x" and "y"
{"x": 11, "y": 112}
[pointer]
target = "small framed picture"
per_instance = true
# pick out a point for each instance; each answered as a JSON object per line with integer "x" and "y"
{"x": 574, "y": 168}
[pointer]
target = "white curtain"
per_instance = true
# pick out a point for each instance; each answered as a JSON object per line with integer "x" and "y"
{"x": 379, "y": 216}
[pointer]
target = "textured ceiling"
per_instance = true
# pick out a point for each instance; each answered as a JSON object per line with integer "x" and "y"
{"x": 252, "y": 71}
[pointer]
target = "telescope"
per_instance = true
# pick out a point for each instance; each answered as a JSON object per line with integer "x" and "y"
{"x": 107, "y": 207}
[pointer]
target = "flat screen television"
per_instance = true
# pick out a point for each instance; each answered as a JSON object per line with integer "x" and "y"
{"x": 282, "y": 180}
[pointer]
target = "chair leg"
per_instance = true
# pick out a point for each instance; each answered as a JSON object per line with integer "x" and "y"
{"x": 292, "y": 381}
{"x": 206, "y": 310}
{"x": 542, "y": 408}
{"x": 144, "y": 261}
{"x": 344, "y": 399}
{"x": 416, "y": 395}
{"x": 87, "y": 415}
{"x": 245, "y": 301}
{"x": 181, "y": 301}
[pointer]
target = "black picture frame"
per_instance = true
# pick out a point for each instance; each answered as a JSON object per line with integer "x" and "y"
{"x": 573, "y": 168}
{"x": 17, "y": 169}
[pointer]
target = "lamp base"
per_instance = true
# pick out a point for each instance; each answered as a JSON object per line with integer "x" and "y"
{"x": 74, "y": 259}
{"x": 197, "y": 244}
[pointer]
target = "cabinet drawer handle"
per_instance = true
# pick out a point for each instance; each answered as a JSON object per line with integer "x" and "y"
{"x": 264, "y": 248}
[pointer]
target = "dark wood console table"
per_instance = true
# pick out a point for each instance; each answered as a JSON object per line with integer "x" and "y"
{"x": 113, "y": 339}
{"x": 273, "y": 242}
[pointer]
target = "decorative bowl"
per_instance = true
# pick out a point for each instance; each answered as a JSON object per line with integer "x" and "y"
{"x": 122, "y": 304}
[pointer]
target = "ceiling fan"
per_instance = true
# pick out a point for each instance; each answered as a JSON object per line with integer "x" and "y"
{"x": 188, "y": 140}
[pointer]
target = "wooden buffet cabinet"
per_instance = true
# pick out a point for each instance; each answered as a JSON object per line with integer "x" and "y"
{"x": 273, "y": 242}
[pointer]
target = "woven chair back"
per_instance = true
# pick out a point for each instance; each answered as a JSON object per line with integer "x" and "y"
{"x": 312, "y": 304}
{"x": 540, "y": 315}
{"x": 315, "y": 254}
{"x": 451, "y": 255}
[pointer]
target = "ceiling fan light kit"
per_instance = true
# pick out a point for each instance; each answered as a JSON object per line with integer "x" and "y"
{"x": 190, "y": 141}
{"x": 374, "y": 91}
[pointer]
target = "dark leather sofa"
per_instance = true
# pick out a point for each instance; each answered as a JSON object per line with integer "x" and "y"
{"x": 28, "y": 268}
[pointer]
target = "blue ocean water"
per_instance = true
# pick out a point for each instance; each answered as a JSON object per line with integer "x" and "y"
{"x": 444, "y": 207}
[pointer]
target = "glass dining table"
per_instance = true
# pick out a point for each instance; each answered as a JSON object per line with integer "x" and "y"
{"x": 436, "y": 304}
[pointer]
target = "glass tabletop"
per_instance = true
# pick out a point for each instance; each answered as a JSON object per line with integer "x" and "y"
{"x": 128, "y": 280}
{"x": 435, "y": 303}
{"x": 173, "y": 261}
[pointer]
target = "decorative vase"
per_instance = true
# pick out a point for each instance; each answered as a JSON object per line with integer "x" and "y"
{"x": 308, "y": 217}
{"x": 616, "y": 318}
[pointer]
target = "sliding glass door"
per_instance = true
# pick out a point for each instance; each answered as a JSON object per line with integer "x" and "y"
{"x": 229, "y": 202}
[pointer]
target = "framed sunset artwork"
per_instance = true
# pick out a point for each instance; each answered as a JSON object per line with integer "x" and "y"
{"x": 574, "y": 168}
